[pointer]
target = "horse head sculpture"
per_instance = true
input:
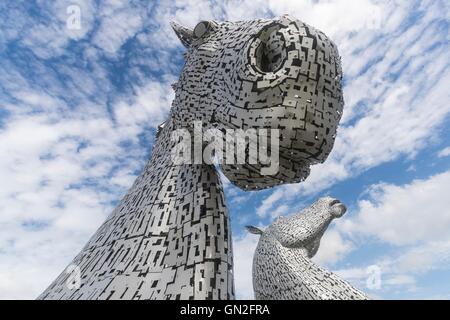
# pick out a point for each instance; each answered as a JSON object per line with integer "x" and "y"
{"x": 263, "y": 74}
{"x": 282, "y": 269}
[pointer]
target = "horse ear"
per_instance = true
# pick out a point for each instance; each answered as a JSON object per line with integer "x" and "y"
{"x": 254, "y": 230}
{"x": 185, "y": 35}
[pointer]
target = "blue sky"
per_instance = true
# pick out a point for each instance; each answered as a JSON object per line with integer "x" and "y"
{"x": 78, "y": 111}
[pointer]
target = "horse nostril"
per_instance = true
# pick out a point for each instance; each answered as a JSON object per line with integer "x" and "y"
{"x": 335, "y": 201}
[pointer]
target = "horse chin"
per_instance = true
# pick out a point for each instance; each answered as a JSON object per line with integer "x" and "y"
{"x": 252, "y": 177}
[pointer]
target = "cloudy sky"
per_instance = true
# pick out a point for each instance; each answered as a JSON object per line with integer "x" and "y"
{"x": 79, "y": 107}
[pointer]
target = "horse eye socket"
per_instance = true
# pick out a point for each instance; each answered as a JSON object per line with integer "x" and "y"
{"x": 270, "y": 53}
{"x": 201, "y": 29}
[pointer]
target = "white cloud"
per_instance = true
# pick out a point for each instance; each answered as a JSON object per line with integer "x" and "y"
{"x": 333, "y": 247}
{"x": 243, "y": 250}
{"x": 401, "y": 272}
{"x": 32, "y": 259}
{"x": 404, "y": 215}
{"x": 281, "y": 210}
{"x": 118, "y": 22}
{"x": 327, "y": 15}
{"x": 400, "y": 280}
{"x": 444, "y": 152}
{"x": 268, "y": 203}
{"x": 424, "y": 258}
{"x": 150, "y": 105}
{"x": 413, "y": 219}
{"x": 49, "y": 36}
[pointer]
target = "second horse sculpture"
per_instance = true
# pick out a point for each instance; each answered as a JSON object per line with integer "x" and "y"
{"x": 282, "y": 269}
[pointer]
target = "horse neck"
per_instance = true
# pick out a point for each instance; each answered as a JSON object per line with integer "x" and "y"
{"x": 282, "y": 273}
{"x": 189, "y": 211}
